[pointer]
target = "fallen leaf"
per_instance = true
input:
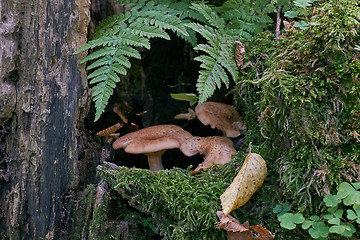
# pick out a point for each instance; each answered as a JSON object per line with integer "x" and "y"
{"x": 229, "y": 223}
{"x": 262, "y": 233}
{"x": 240, "y": 236}
{"x": 249, "y": 179}
{"x": 235, "y": 230}
{"x": 107, "y": 131}
{"x": 239, "y": 54}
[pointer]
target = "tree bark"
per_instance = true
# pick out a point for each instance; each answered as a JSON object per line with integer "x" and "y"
{"x": 45, "y": 94}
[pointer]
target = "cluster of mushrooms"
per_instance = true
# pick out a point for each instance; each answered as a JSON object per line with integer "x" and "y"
{"x": 155, "y": 140}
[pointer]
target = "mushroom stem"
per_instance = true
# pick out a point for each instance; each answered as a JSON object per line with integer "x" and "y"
{"x": 155, "y": 161}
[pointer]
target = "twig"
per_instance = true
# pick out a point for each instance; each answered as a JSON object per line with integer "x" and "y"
{"x": 278, "y": 22}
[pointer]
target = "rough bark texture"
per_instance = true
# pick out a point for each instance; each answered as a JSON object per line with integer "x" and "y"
{"x": 44, "y": 98}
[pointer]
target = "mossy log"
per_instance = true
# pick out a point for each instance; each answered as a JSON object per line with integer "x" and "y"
{"x": 183, "y": 206}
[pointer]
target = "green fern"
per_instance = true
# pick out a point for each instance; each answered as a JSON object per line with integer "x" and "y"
{"x": 118, "y": 38}
{"x": 246, "y": 18}
{"x": 219, "y": 49}
{"x": 238, "y": 20}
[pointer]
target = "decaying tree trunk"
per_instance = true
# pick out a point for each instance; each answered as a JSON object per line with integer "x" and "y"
{"x": 43, "y": 100}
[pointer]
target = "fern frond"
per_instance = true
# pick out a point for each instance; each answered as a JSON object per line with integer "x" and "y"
{"x": 135, "y": 40}
{"x": 119, "y": 58}
{"x": 192, "y": 39}
{"x": 100, "y": 53}
{"x": 207, "y": 49}
{"x": 118, "y": 39}
{"x": 107, "y": 73}
{"x": 105, "y": 41}
{"x": 138, "y": 28}
{"x": 105, "y": 79}
{"x": 210, "y": 77}
{"x": 207, "y": 32}
{"x": 251, "y": 18}
{"x": 226, "y": 56}
{"x": 122, "y": 60}
{"x": 100, "y": 71}
{"x": 212, "y": 18}
{"x": 181, "y": 9}
{"x": 100, "y": 62}
{"x": 106, "y": 25}
{"x": 213, "y": 69}
{"x": 219, "y": 59}
{"x": 129, "y": 52}
{"x": 101, "y": 95}
{"x": 163, "y": 21}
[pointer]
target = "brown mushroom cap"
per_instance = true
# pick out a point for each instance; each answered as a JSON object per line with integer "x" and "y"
{"x": 217, "y": 150}
{"x": 221, "y": 116}
{"x": 153, "y": 141}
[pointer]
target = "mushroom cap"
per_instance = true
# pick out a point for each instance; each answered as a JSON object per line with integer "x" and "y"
{"x": 221, "y": 116}
{"x": 217, "y": 150}
{"x": 152, "y": 139}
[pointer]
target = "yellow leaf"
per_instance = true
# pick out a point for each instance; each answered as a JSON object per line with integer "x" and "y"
{"x": 249, "y": 179}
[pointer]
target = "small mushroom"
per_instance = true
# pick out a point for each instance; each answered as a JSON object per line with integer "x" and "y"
{"x": 153, "y": 142}
{"x": 221, "y": 116}
{"x": 188, "y": 116}
{"x": 216, "y": 150}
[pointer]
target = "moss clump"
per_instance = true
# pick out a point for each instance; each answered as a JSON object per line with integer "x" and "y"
{"x": 183, "y": 205}
{"x": 100, "y": 213}
{"x": 301, "y": 100}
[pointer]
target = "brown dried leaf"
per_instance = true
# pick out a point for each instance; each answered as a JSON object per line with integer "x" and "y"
{"x": 229, "y": 223}
{"x": 240, "y": 236}
{"x": 249, "y": 179}
{"x": 289, "y": 28}
{"x": 263, "y": 233}
{"x": 107, "y": 131}
{"x": 239, "y": 54}
{"x": 235, "y": 230}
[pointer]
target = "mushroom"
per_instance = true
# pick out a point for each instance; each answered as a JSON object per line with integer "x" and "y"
{"x": 221, "y": 116}
{"x": 217, "y": 150}
{"x": 188, "y": 116}
{"x": 153, "y": 142}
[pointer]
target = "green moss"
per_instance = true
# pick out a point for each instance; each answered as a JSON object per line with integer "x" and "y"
{"x": 183, "y": 205}
{"x": 301, "y": 98}
{"x": 103, "y": 214}
{"x": 77, "y": 214}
